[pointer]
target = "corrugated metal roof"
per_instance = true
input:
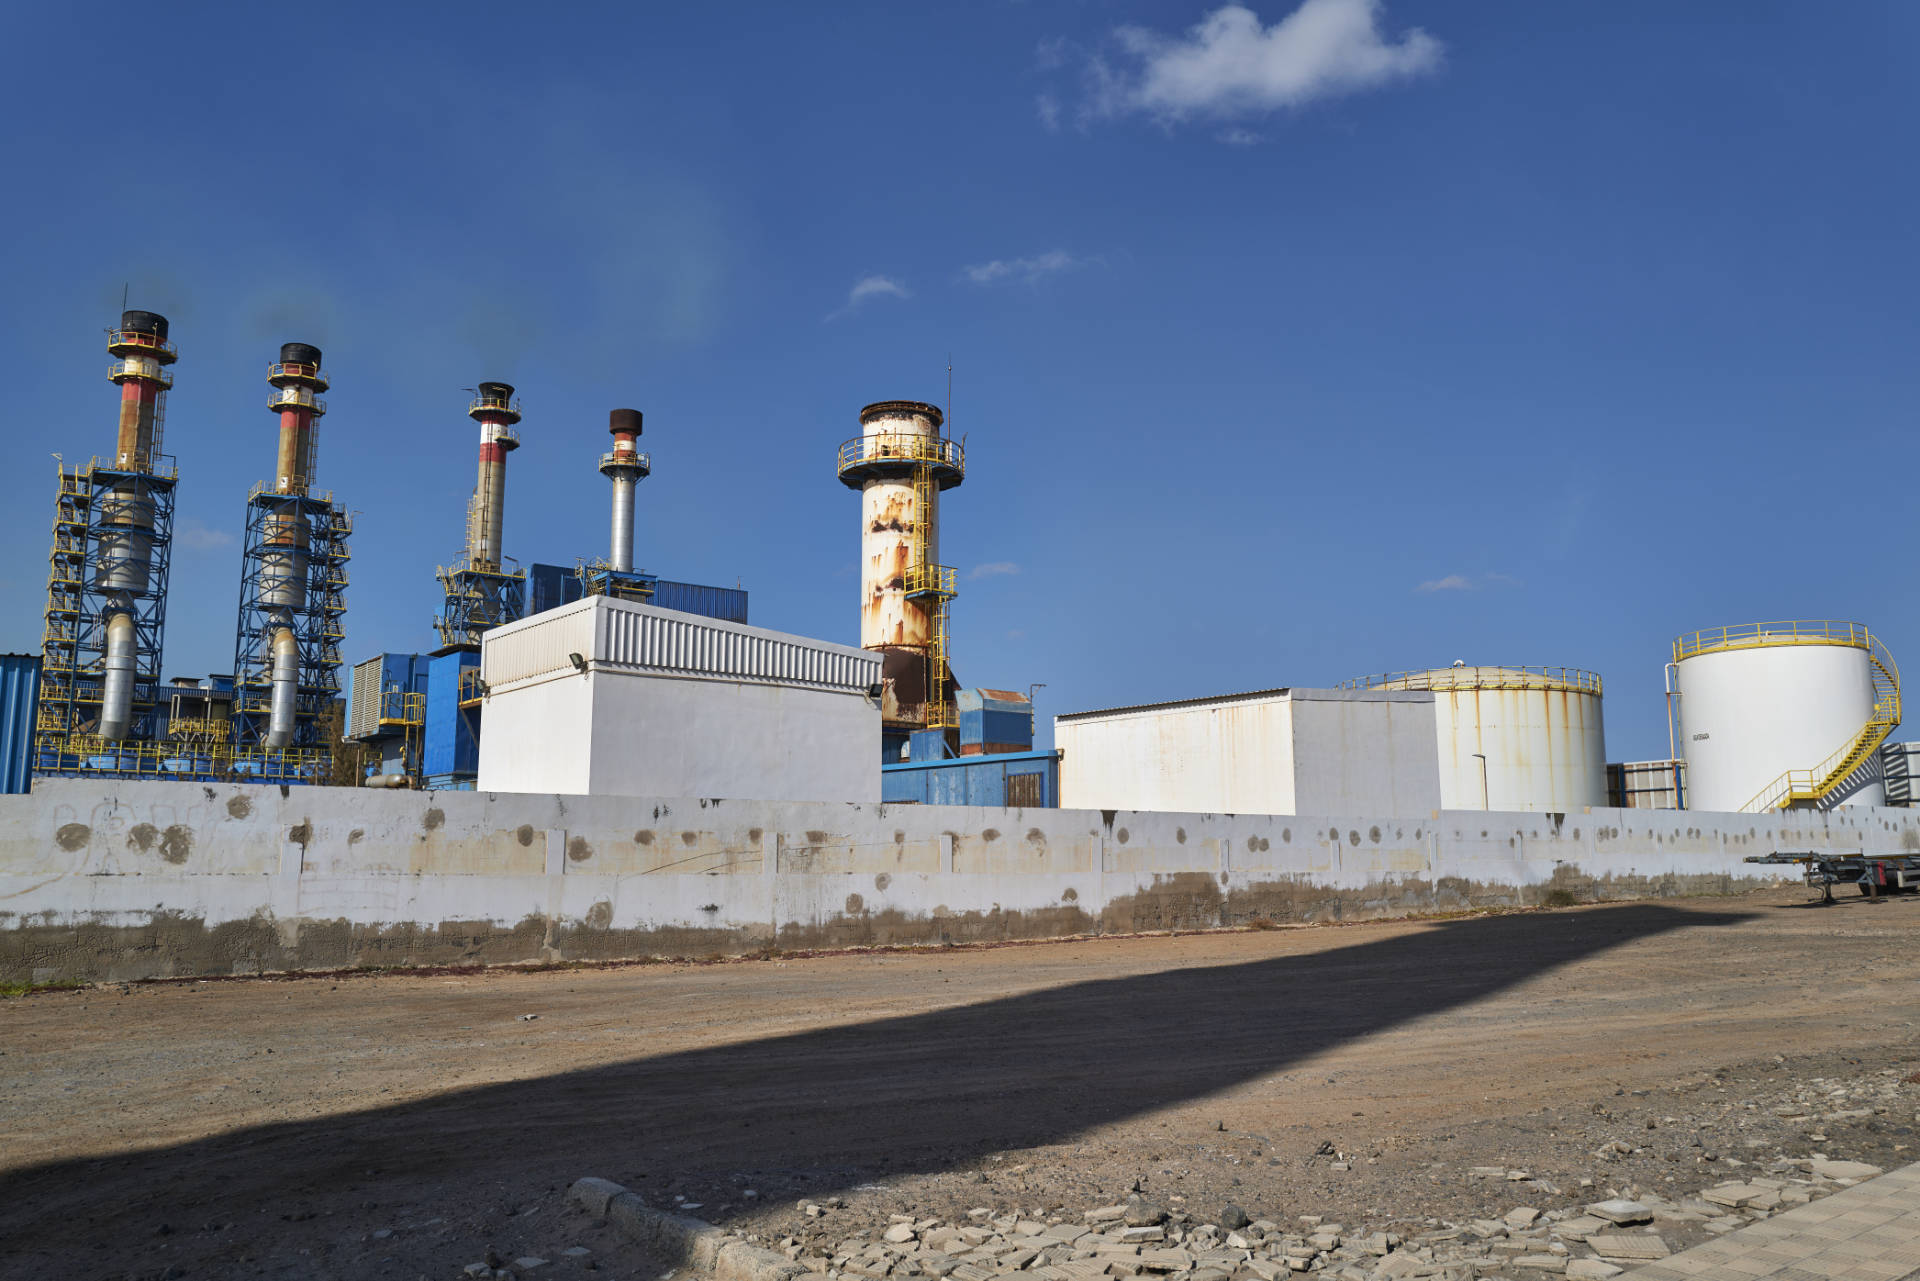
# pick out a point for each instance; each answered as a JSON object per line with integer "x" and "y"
{"x": 1294, "y": 692}
{"x": 1178, "y": 702}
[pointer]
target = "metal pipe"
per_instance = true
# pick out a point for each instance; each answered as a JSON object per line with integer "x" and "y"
{"x": 620, "y": 554}
{"x": 388, "y": 780}
{"x": 286, "y": 684}
{"x": 116, "y": 697}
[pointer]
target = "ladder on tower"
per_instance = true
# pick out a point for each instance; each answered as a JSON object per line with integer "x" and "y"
{"x": 1814, "y": 786}
{"x": 933, "y": 585}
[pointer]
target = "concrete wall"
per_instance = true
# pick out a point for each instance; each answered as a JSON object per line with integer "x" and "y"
{"x": 1279, "y": 751}
{"x": 133, "y": 880}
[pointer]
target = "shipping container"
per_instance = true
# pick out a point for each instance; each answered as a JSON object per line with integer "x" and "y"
{"x": 19, "y": 709}
{"x": 1019, "y": 780}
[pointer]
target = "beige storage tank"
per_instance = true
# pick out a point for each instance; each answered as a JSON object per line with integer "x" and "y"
{"x": 1513, "y": 738}
{"x": 1784, "y": 715}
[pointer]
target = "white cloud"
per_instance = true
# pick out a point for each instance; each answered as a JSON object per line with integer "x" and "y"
{"x": 1242, "y": 137}
{"x": 870, "y": 287}
{"x": 993, "y": 568}
{"x": 1048, "y": 108}
{"x": 1229, "y": 65}
{"x": 194, "y": 536}
{"x": 1467, "y": 583}
{"x": 1026, "y": 270}
{"x": 1451, "y": 583}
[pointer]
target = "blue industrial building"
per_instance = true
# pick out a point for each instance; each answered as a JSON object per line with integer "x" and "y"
{"x": 1019, "y": 780}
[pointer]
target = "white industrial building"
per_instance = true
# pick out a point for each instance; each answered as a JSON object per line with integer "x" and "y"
{"x": 1278, "y": 751}
{"x": 1514, "y": 738}
{"x": 609, "y": 697}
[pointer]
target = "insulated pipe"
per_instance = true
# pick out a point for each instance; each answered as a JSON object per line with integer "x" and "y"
{"x": 625, "y": 466}
{"x": 286, "y": 683}
{"x": 116, "y": 698}
{"x": 496, "y": 411}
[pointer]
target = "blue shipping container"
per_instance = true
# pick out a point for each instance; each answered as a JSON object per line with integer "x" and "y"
{"x": 19, "y": 709}
{"x": 451, "y": 746}
{"x": 1018, "y": 780}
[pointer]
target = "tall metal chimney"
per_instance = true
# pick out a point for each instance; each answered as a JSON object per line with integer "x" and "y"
{"x": 626, "y": 467}
{"x": 286, "y": 645}
{"x": 900, "y": 463}
{"x": 480, "y": 592}
{"x": 496, "y": 412}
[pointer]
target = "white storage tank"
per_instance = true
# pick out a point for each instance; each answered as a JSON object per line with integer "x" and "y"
{"x": 1514, "y": 738}
{"x": 1780, "y": 715}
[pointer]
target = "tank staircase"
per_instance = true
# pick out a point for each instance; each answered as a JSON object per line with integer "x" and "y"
{"x": 1813, "y": 787}
{"x": 933, "y": 585}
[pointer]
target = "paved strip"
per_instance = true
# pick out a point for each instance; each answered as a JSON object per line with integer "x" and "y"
{"x": 1869, "y": 1232}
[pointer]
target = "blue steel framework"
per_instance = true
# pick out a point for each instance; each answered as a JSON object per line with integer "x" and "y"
{"x": 79, "y": 605}
{"x": 478, "y": 600}
{"x": 317, "y": 629}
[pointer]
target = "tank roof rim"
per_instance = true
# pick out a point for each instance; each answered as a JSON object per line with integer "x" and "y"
{"x": 880, "y": 407}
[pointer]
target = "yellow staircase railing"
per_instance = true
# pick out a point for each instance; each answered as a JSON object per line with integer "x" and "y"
{"x": 933, "y": 586}
{"x": 1812, "y": 786}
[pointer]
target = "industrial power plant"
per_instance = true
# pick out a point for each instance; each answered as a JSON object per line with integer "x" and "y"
{"x": 598, "y": 677}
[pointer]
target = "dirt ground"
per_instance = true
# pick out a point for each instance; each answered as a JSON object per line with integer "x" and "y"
{"x": 402, "y": 1126}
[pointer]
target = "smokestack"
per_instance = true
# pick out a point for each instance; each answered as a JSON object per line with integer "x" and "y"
{"x": 141, "y": 353}
{"x": 126, "y": 512}
{"x": 625, "y": 466}
{"x": 297, "y": 384}
{"x": 900, "y": 463}
{"x": 496, "y": 411}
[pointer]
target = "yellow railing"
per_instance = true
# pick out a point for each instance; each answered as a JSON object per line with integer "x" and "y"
{"x": 138, "y": 369}
{"x": 931, "y": 580}
{"x": 494, "y": 404}
{"x": 400, "y": 708}
{"x": 296, "y": 398}
{"x": 471, "y": 690}
{"x": 1811, "y": 786}
{"x": 903, "y": 447}
{"x": 297, "y": 369}
{"x": 1573, "y": 679}
{"x": 159, "y": 466}
{"x": 204, "y": 727}
{"x": 1815, "y": 631}
{"x": 99, "y": 756}
{"x": 146, "y": 341}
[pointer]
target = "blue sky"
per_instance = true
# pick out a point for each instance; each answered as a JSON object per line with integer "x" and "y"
{"x": 1289, "y": 346}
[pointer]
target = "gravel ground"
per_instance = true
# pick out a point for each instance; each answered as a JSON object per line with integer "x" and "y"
{"x": 1403, "y": 1078}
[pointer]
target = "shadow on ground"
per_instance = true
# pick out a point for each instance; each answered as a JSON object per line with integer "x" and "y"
{"x": 920, "y": 1093}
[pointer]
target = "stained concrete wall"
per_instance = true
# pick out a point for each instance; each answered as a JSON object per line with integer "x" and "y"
{"x": 134, "y": 880}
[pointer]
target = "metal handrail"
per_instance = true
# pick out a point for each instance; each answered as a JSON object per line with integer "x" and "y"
{"x": 1805, "y": 631}
{"x": 159, "y": 466}
{"x": 137, "y": 369}
{"x": 902, "y": 447}
{"x": 138, "y": 338}
{"x": 497, "y": 404}
{"x": 1818, "y": 783}
{"x": 629, "y": 457}
{"x": 298, "y": 369}
{"x": 299, "y": 397}
{"x": 1507, "y": 676}
{"x": 935, "y": 580}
